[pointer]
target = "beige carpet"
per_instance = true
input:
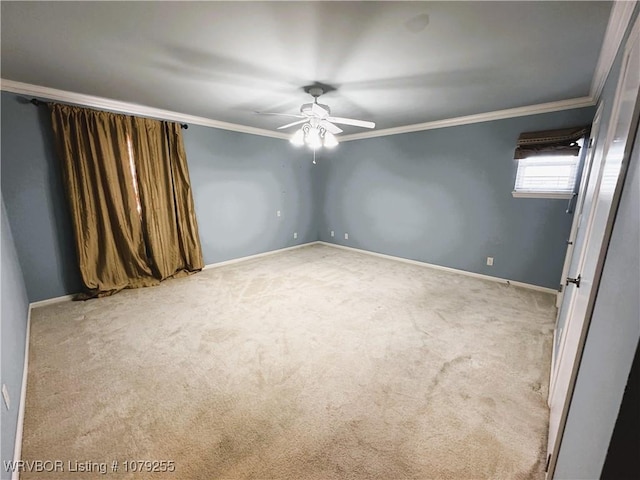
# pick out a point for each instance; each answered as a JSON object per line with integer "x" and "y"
{"x": 316, "y": 363}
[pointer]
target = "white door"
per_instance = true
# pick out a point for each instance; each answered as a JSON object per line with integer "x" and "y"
{"x": 578, "y": 208}
{"x": 600, "y": 200}
{"x": 573, "y": 257}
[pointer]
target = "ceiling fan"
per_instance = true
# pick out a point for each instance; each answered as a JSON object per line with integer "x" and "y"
{"x": 318, "y": 126}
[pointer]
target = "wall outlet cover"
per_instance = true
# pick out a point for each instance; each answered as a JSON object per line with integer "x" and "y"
{"x": 490, "y": 261}
{"x": 333, "y": 234}
{"x": 295, "y": 234}
{"x": 346, "y": 236}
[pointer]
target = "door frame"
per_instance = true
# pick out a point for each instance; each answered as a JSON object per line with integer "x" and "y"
{"x": 633, "y": 41}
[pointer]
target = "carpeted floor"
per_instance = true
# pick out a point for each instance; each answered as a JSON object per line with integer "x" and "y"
{"x": 316, "y": 363}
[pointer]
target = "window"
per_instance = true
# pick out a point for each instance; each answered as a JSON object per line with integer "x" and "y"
{"x": 548, "y": 162}
{"x": 548, "y": 176}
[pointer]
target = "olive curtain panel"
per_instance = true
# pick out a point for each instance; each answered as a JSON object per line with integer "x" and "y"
{"x": 130, "y": 198}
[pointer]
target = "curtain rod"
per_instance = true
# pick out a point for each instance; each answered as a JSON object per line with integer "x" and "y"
{"x": 37, "y": 103}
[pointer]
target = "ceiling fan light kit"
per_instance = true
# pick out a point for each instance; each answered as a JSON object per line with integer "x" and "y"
{"x": 318, "y": 127}
{"x": 313, "y": 136}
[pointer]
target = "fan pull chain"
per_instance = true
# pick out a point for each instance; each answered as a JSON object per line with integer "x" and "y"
{"x": 314, "y": 156}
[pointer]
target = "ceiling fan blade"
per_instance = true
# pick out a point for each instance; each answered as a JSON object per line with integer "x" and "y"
{"x": 281, "y": 114}
{"x": 351, "y": 121}
{"x": 318, "y": 111}
{"x": 297, "y": 122}
{"x": 330, "y": 127}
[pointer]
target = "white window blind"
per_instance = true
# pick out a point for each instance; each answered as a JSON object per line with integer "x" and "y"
{"x": 547, "y": 174}
{"x": 548, "y": 163}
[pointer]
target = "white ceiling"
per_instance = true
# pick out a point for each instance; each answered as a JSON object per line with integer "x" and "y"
{"x": 395, "y": 63}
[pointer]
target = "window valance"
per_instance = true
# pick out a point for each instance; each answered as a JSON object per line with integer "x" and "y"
{"x": 550, "y": 142}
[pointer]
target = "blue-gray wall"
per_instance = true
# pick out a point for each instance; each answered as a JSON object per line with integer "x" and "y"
{"x": 444, "y": 197}
{"x": 239, "y": 183}
{"x": 15, "y": 310}
{"x": 35, "y": 200}
{"x": 440, "y": 196}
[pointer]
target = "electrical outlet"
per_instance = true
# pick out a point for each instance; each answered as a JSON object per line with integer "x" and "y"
{"x": 295, "y": 234}
{"x": 333, "y": 234}
{"x": 490, "y": 261}
{"x": 278, "y": 213}
{"x": 346, "y": 236}
{"x": 5, "y": 395}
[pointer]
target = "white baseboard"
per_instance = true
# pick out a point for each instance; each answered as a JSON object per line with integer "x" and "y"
{"x": 17, "y": 449}
{"x": 445, "y": 269}
{"x": 553, "y": 365}
{"x": 51, "y": 301}
{"x": 257, "y": 255}
{"x": 67, "y": 298}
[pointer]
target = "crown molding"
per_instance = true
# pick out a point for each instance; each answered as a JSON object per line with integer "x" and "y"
{"x": 136, "y": 109}
{"x": 619, "y": 19}
{"x": 572, "y": 103}
{"x": 129, "y": 108}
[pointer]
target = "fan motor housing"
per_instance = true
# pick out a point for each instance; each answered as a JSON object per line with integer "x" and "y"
{"x": 305, "y": 109}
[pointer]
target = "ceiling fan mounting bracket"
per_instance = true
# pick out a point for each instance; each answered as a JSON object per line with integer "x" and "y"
{"x": 315, "y": 92}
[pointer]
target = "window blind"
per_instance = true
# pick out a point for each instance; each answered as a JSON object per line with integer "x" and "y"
{"x": 550, "y": 142}
{"x": 547, "y": 174}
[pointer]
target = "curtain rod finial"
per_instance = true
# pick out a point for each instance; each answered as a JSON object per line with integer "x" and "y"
{"x": 184, "y": 126}
{"x": 36, "y": 102}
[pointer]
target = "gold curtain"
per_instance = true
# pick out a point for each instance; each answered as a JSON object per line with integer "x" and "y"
{"x": 130, "y": 198}
{"x": 168, "y": 218}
